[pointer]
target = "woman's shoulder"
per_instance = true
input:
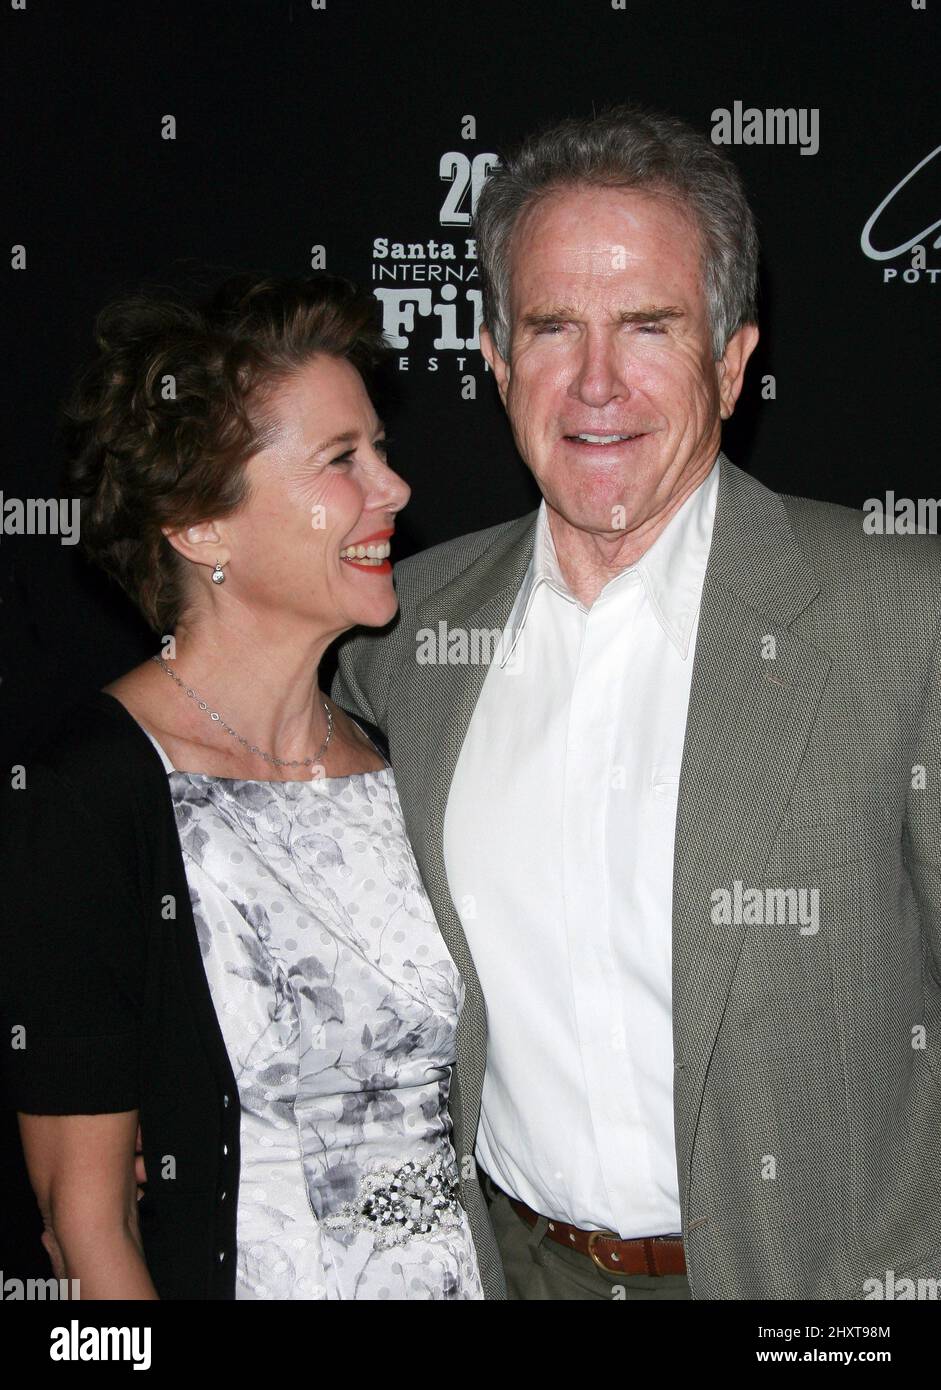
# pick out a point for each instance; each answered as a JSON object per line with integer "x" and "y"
{"x": 96, "y": 748}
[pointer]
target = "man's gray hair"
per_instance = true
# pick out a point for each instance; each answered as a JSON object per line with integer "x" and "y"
{"x": 626, "y": 147}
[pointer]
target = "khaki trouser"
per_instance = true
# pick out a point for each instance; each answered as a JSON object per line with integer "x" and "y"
{"x": 539, "y": 1268}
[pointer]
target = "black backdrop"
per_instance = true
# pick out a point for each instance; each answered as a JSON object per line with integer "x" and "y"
{"x": 335, "y": 126}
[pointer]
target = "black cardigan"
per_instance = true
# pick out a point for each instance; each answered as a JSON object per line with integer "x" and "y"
{"x": 102, "y": 968}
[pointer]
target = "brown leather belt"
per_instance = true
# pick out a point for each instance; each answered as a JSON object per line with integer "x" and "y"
{"x": 644, "y": 1255}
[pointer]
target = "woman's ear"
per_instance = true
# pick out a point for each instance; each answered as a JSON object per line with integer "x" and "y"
{"x": 200, "y": 542}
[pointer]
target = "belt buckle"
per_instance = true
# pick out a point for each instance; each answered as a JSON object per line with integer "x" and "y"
{"x": 598, "y": 1235}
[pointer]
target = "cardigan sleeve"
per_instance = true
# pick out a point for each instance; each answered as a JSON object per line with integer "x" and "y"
{"x": 71, "y": 950}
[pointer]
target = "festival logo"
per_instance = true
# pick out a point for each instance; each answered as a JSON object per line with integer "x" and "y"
{"x": 429, "y": 290}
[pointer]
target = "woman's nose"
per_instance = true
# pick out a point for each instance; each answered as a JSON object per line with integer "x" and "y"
{"x": 391, "y": 490}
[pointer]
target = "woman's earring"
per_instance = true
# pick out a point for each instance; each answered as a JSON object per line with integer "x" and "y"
{"x": 218, "y": 574}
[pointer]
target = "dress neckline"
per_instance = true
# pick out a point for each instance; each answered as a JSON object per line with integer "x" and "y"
{"x": 169, "y": 768}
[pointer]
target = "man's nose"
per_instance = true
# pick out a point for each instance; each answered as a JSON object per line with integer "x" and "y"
{"x": 600, "y": 373}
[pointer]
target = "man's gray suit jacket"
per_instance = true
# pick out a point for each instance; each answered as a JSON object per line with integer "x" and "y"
{"x": 807, "y": 1076}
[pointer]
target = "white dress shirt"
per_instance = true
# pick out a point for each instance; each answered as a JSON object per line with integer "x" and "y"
{"x": 558, "y": 846}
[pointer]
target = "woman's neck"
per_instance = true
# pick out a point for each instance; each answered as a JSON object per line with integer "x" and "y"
{"x": 263, "y": 685}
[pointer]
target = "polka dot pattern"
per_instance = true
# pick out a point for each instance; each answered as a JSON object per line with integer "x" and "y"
{"x": 338, "y": 1003}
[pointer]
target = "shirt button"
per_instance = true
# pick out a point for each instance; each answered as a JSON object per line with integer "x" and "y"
{"x": 222, "y": 1196}
{"x": 225, "y": 1150}
{"x": 221, "y": 1256}
{"x": 225, "y": 1100}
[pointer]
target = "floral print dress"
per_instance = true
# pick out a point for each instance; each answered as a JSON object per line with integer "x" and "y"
{"x": 338, "y": 1003}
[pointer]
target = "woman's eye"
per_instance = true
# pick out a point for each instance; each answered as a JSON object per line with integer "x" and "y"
{"x": 381, "y": 447}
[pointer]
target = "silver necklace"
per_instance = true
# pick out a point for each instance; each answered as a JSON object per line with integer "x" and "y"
{"x": 252, "y": 748}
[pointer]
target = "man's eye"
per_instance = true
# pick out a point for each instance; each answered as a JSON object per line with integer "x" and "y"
{"x": 344, "y": 458}
{"x": 651, "y": 328}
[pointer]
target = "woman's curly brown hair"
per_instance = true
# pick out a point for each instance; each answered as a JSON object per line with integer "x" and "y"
{"x": 161, "y": 424}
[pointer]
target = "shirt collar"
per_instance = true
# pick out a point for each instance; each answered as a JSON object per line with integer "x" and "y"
{"x": 672, "y": 570}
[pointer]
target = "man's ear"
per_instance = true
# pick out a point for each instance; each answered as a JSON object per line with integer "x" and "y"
{"x": 731, "y": 367}
{"x": 495, "y": 362}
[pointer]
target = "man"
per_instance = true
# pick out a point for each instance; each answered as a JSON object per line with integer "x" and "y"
{"x": 683, "y": 833}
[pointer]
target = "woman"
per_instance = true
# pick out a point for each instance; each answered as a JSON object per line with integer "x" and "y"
{"x": 216, "y": 926}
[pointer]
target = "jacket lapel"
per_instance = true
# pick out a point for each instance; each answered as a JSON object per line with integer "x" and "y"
{"x": 748, "y": 723}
